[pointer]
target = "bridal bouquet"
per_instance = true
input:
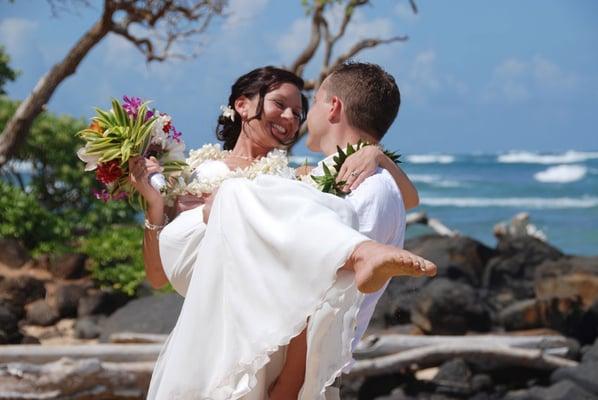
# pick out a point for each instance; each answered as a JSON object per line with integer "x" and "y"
{"x": 126, "y": 130}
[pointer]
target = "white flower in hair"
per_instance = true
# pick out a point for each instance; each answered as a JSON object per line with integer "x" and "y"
{"x": 228, "y": 112}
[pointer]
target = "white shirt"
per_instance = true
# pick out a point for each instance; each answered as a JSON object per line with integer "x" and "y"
{"x": 379, "y": 207}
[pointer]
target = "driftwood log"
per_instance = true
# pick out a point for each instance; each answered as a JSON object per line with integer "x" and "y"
{"x": 134, "y": 337}
{"x": 383, "y": 345}
{"x": 432, "y": 356}
{"x": 122, "y": 371}
{"x": 117, "y": 353}
{"x": 435, "y": 224}
{"x": 75, "y": 379}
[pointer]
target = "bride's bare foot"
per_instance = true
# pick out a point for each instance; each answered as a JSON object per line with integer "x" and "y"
{"x": 375, "y": 263}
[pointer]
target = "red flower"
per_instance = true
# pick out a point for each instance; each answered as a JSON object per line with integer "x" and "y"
{"x": 166, "y": 127}
{"x": 108, "y": 172}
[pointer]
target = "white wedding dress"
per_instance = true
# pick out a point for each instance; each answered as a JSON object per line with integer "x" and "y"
{"x": 265, "y": 267}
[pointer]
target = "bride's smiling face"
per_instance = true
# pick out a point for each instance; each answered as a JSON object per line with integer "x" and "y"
{"x": 280, "y": 117}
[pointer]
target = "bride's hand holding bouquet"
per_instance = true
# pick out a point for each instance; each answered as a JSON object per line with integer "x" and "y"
{"x": 129, "y": 137}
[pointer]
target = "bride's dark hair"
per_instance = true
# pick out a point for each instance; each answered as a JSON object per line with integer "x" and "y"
{"x": 257, "y": 82}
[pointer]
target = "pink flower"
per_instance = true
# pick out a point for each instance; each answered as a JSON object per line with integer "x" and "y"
{"x": 131, "y": 105}
{"x": 101, "y": 194}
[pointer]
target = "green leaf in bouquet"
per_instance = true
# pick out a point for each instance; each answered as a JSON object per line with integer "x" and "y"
{"x": 89, "y": 133}
{"x": 107, "y": 119}
{"x": 173, "y": 166}
{"x": 121, "y": 116}
{"x": 138, "y": 123}
{"x": 144, "y": 136}
{"x": 110, "y": 155}
{"x": 97, "y": 149}
{"x": 125, "y": 149}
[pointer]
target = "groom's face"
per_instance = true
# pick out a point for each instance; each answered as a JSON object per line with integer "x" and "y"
{"x": 317, "y": 119}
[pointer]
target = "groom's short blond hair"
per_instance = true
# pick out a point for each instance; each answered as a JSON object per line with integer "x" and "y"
{"x": 370, "y": 96}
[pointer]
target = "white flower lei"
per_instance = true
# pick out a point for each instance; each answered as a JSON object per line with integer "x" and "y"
{"x": 275, "y": 163}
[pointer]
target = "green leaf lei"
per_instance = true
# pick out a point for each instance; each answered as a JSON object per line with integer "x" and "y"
{"x": 327, "y": 183}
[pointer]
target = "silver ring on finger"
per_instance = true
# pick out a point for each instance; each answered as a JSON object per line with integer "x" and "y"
{"x": 355, "y": 173}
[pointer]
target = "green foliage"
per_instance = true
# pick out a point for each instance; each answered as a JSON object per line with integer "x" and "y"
{"x": 58, "y": 180}
{"x": 24, "y": 219}
{"x": 6, "y": 72}
{"x": 327, "y": 183}
{"x": 115, "y": 257}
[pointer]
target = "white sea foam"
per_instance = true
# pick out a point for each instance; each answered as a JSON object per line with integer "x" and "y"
{"x": 526, "y": 157}
{"x": 515, "y": 202}
{"x": 434, "y": 180}
{"x": 300, "y": 160}
{"x": 562, "y": 174}
{"x": 430, "y": 158}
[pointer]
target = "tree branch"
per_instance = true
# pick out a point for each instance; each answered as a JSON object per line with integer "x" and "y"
{"x": 18, "y": 126}
{"x": 163, "y": 23}
{"x": 413, "y": 6}
{"x": 366, "y": 44}
{"x": 332, "y": 40}
{"x": 307, "y": 54}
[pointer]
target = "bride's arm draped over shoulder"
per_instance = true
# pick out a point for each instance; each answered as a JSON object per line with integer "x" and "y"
{"x": 365, "y": 162}
{"x": 140, "y": 169}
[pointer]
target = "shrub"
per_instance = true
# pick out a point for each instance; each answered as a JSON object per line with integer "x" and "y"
{"x": 23, "y": 218}
{"x": 115, "y": 257}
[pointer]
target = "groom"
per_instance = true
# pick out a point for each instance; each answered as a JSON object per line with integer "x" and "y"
{"x": 357, "y": 101}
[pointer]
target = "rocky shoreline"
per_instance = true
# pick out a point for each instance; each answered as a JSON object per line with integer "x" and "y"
{"x": 520, "y": 286}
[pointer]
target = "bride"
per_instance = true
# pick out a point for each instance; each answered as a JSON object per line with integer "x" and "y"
{"x": 277, "y": 257}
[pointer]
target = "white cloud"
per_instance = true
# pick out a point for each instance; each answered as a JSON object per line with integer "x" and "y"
{"x": 291, "y": 43}
{"x": 404, "y": 12}
{"x": 241, "y": 12}
{"x": 16, "y": 34}
{"x": 516, "y": 80}
{"x": 120, "y": 54}
{"x": 423, "y": 80}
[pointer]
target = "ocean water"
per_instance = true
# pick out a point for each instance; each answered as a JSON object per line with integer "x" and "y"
{"x": 473, "y": 192}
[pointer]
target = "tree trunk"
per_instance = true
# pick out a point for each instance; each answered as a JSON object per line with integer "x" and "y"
{"x": 16, "y": 129}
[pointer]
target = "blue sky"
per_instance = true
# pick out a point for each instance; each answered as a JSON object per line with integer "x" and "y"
{"x": 476, "y": 76}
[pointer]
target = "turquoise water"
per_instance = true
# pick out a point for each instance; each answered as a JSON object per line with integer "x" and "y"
{"x": 471, "y": 193}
